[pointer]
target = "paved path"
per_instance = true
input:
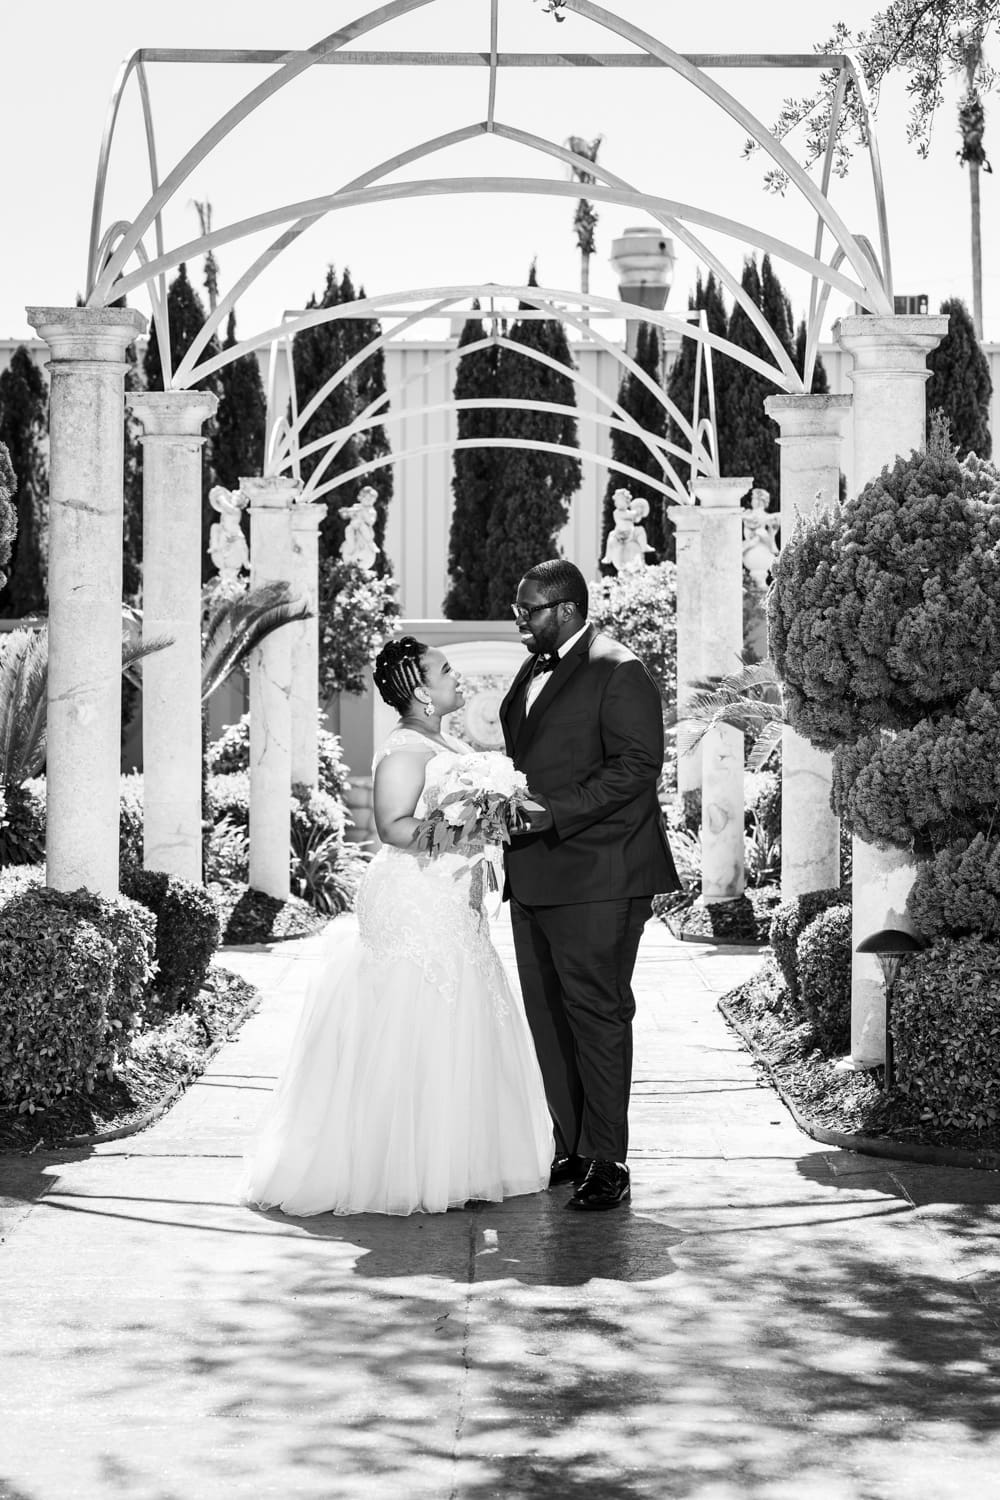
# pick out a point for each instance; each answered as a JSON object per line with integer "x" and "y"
{"x": 771, "y": 1319}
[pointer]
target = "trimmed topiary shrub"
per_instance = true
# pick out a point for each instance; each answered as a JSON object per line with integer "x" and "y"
{"x": 958, "y": 891}
{"x": 74, "y": 969}
{"x": 130, "y": 929}
{"x": 888, "y": 608}
{"x": 187, "y": 932}
{"x": 928, "y": 786}
{"x": 790, "y": 921}
{"x": 946, "y": 1032}
{"x": 823, "y": 963}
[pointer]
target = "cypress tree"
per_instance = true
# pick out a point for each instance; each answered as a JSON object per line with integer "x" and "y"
{"x": 473, "y": 483}
{"x": 8, "y": 511}
{"x": 239, "y": 437}
{"x": 23, "y": 422}
{"x": 960, "y": 384}
{"x": 316, "y": 354}
{"x": 132, "y": 476}
{"x": 746, "y": 436}
{"x": 186, "y": 313}
{"x": 680, "y": 381}
{"x": 637, "y": 399}
{"x": 531, "y": 504}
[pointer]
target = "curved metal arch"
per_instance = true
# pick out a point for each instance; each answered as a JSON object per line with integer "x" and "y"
{"x": 659, "y": 447}
{"x": 676, "y": 227}
{"x": 99, "y": 247}
{"x": 298, "y": 63}
{"x": 268, "y": 256}
{"x": 748, "y": 121}
{"x": 335, "y": 441}
{"x": 613, "y": 305}
{"x": 520, "y": 137}
{"x": 535, "y": 445}
{"x": 618, "y": 354}
{"x": 531, "y": 186}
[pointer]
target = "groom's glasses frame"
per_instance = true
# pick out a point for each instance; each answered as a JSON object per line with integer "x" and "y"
{"x": 520, "y": 612}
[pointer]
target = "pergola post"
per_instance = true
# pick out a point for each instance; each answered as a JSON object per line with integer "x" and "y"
{"x": 86, "y": 449}
{"x": 723, "y": 875}
{"x": 686, "y": 520}
{"x": 306, "y": 521}
{"x": 171, "y": 606}
{"x": 271, "y": 500}
{"x": 889, "y": 378}
{"x": 810, "y": 446}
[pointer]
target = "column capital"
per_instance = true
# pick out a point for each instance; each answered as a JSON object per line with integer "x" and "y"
{"x": 87, "y": 333}
{"x": 721, "y": 494}
{"x": 271, "y": 491}
{"x": 172, "y": 413}
{"x": 307, "y": 517}
{"x": 805, "y": 416}
{"x": 685, "y": 518}
{"x": 901, "y": 342}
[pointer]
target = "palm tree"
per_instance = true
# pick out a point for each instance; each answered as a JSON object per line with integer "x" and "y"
{"x": 749, "y": 700}
{"x": 24, "y": 673}
{"x": 236, "y": 624}
{"x": 585, "y": 218}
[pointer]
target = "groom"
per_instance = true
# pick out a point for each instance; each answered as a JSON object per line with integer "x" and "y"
{"x": 583, "y": 720}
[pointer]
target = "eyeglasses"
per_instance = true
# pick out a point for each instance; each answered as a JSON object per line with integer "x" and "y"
{"x": 521, "y": 613}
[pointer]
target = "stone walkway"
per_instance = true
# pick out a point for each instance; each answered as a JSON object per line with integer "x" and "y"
{"x": 771, "y": 1319}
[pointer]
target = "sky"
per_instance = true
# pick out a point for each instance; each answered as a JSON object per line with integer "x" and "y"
{"x": 61, "y": 60}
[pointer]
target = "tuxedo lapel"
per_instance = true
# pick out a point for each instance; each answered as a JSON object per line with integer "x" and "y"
{"x": 554, "y": 683}
{"x": 512, "y": 705}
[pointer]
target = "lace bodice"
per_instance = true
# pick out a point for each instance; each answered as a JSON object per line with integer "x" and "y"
{"x": 429, "y": 911}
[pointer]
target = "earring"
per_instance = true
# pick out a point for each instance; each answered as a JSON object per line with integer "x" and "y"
{"x": 428, "y": 710}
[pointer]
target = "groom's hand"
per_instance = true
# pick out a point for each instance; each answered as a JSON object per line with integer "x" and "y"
{"x": 538, "y": 815}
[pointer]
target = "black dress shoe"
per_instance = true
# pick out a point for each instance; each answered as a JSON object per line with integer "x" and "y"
{"x": 568, "y": 1169}
{"x": 606, "y": 1185}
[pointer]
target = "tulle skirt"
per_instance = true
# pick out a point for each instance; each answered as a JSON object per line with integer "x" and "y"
{"x": 404, "y": 1092}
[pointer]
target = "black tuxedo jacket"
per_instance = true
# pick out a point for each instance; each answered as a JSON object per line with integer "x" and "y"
{"x": 592, "y": 750}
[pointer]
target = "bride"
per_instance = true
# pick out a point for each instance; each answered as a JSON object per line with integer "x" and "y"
{"x": 412, "y": 1084}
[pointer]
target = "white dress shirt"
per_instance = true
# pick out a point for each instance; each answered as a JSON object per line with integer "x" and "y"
{"x": 537, "y": 682}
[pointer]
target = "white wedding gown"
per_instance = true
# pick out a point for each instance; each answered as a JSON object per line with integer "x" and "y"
{"x": 412, "y": 1083}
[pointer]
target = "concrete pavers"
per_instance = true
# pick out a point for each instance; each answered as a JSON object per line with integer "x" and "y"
{"x": 770, "y": 1319}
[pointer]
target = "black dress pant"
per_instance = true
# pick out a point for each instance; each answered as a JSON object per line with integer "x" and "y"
{"x": 575, "y": 965}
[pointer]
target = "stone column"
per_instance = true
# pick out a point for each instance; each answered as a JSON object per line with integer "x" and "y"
{"x": 86, "y": 446}
{"x": 271, "y": 500}
{"x": 686, "y": 520}
{"x": 722, "y": 867}
{"x": 306, "y": 521}
{"x": 889, "y": 378}
{"x": 810, "y": 443}
{"x": 171, "y": 606}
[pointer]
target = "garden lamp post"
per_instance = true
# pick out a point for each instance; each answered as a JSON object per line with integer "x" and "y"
{"x": 889, "y": 946}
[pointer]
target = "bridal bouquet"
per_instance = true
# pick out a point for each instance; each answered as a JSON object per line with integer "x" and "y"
{"x": 478, "y": 801}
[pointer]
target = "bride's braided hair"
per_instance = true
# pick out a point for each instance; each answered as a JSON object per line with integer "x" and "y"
{"x": 399, "y": 670}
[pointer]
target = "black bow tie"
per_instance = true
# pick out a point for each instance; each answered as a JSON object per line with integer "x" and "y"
{"x": 545, "y": 664}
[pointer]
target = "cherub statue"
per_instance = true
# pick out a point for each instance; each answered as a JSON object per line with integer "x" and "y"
{"x": 627, "y": 544}
{"x": 759, "y": 545}
{"x": 227, "y": 546}
{"x": 359, "y": 544}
